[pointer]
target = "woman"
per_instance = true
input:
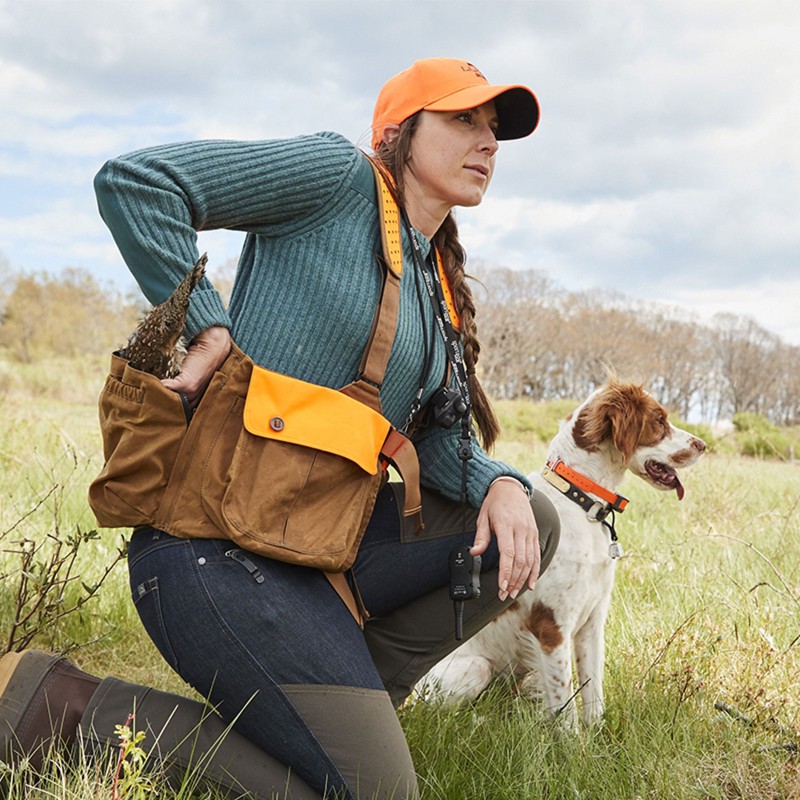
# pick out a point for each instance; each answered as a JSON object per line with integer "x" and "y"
{"x": 268, "y": 642}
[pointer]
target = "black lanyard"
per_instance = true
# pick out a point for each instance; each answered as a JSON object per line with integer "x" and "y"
{"x": 444, "y": 323}
{"x": 441, "y": 312}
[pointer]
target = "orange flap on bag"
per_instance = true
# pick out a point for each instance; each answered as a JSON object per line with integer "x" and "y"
{"x": 289, "y": 410}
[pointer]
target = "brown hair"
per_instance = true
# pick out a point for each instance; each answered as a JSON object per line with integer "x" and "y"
{"x": 394, "y": 157}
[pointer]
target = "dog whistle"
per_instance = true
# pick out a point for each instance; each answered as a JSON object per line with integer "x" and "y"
{"x": 615, "y": 550}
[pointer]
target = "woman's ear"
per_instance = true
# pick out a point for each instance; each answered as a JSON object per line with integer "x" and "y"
{"x": 390, "y": 133}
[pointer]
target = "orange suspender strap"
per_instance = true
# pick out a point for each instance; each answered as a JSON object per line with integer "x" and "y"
{"x": 389, "y": 215}
{"x": 448, "y": 294}
{"x": 393, "y": 245}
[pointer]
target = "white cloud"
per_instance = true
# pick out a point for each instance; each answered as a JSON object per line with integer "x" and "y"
{"x": 772, "y": 304}
{"x": 54, "y": 238}
{"x": 666, "y": 164}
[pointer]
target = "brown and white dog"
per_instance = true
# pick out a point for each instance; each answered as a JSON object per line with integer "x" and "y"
{"x": 618, "y": 428}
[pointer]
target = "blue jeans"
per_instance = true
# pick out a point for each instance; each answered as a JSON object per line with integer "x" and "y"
{"x": 276, "y": 651}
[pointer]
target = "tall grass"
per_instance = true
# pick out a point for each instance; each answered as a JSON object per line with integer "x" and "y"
{"x": 702, "y": 658}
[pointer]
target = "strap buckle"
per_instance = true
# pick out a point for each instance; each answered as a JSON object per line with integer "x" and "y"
{"x": 619, "y": 503}
{"x": 598, "y": 511}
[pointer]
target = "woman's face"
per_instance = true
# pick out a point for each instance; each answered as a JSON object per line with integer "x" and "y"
{"x": 452, "y": 156}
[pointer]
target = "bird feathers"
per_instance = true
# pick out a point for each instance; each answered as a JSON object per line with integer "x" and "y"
{"x": 154, "y": 346}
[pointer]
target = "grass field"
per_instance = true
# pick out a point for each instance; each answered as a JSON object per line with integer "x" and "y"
{"x": 703, "y": 684}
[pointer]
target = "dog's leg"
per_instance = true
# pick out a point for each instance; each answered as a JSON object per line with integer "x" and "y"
{"x": 455, "y": 678}
{"x": 555, "y": 670}
{"x": 589, "y": 663}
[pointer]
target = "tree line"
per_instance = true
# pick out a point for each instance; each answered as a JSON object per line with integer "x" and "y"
{"x": 539, "y": 341}
{"x": 542, "y": 342}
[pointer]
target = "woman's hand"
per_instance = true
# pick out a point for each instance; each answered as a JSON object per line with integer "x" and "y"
{"x": 204, "y": 357}
{"x": 506, "y": 512}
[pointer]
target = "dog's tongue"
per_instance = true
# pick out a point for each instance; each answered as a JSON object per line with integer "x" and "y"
{"x": 666, "y": 477}
{"x": 672, "y": 480}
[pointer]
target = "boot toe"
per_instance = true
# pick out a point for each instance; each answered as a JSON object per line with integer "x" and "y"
{"x": 41, "y": 696}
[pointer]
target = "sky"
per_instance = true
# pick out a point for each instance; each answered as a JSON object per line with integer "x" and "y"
{"x": 666, "y": 165}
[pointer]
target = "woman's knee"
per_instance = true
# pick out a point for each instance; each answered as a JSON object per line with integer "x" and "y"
{"x": 362, "y": 736}
{"x": 549, "y": 525}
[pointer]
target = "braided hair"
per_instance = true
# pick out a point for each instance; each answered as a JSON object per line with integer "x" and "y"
{"x": 394, "y": 156}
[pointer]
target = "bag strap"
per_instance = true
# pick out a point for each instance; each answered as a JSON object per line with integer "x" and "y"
{"x": 397, "y": 449}
{"x": 366, "y": 387}
{"x": 351, "y": 599}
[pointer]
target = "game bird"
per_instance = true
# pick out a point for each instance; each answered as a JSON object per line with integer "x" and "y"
{"x": 155, "y": 345}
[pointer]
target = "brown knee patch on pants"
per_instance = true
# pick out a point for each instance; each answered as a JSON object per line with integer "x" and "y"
{"x": 360, "y": 732}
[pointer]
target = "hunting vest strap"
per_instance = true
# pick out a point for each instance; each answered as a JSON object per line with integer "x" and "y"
{"x": 376, "y": 354}
{"x": 398, "y": 449}
{"x": 338, "y": 581}
{"x": 373, "y": 365}
{"x": 390, "y": 222}
{"x": 400, "y": 453}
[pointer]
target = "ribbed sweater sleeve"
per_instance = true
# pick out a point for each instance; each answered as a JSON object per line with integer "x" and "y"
{"x": 154, "y": 201}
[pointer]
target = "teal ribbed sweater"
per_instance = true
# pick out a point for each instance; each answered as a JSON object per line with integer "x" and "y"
{"x": 307, "y": 283}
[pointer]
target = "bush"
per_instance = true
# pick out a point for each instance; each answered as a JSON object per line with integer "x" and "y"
{"x": 521, "y": 418}
{"x": 758, "y": 437}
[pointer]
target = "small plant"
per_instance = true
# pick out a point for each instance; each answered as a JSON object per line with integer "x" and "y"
{"x": 130, "y": 781}
{"x": 42, "y": 580}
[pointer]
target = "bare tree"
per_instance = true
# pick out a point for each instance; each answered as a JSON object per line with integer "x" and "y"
{"x": 222, "y": 276}
{"x": 5, "y": 281}
{"x": 542, "y": 342}
{"x": 518, "y": 330}
{"x": 24, "y": 317}
{"x": 674, "y": 355}
{"x": 786, "y": 409}
{"x": 747, "y": 364}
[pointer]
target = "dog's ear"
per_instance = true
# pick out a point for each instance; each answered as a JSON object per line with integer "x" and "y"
{"x": 625, "y": 406}
{"x": 626, "y": 429}
{"x": 591, "y": 427}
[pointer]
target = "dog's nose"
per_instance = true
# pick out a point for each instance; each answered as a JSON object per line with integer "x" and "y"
{"x": 699, "y": 445}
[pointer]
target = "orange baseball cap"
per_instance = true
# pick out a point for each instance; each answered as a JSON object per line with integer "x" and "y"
{"x": 449, "y": 84}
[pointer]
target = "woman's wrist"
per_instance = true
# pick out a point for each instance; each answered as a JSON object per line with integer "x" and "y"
{"x": 512, "y": 479}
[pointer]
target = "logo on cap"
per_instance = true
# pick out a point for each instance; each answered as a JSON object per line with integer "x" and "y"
{"x": 472, "y": 68}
